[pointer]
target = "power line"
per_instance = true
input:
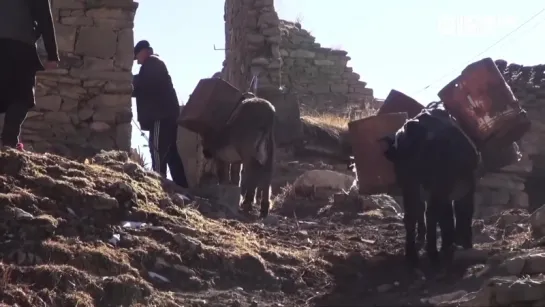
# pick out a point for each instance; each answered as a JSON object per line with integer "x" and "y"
{"x": 523, "y": 34}
{"x": 485, "y": 50}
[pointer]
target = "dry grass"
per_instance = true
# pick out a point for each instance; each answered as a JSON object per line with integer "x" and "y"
{"x": 332, "y": 120}
{"x": 60, "y": 193}
{"x": 328, "y": 120}
{"x": 299, "y": 18}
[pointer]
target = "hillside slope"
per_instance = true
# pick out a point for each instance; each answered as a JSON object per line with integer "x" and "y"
{"x": 108, "y": 233}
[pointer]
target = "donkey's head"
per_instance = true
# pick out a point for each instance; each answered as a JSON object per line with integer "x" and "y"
{"x": 211, "y": 143}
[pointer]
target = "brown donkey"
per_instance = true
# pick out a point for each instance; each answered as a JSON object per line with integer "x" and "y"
{"x": 247, "y": 139}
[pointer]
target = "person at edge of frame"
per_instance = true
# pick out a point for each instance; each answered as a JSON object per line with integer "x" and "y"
{"x": 22, "y": 23}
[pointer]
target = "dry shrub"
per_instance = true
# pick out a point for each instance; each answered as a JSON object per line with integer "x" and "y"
{"x": 285, "y": 194}
{"x": 327, "y": 120}
{"x": 137, "y": 156}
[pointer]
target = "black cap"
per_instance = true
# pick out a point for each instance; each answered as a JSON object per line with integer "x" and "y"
{"x": 141, "y": 45}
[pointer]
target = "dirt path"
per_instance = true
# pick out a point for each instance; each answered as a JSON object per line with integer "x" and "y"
{"x": 108, "y": 233}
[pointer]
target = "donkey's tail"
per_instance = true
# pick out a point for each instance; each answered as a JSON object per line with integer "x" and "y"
{"x": 266, "y": 147}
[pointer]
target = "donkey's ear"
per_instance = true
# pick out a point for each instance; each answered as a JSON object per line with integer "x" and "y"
{"x": 388, "y": 140}
{"x": 248, "y": 95}
{"x": 388, "y": 146}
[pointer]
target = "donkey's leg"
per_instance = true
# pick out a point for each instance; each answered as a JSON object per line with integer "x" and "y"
{"x": 250, "y": 178}
{"x": 413, "y": 211}
{"x": 264, "y": 189}
{"x": 222, "y": 171}
{"x": 237, "y": 178}
{"x": 463, "y": 209}
{"x": 266, "y": 174}
{"x": 234, "y": 173}
{"x": 446, "y": 223}
{"x": 433, "y": 213}
{"x": 421, "y": 226}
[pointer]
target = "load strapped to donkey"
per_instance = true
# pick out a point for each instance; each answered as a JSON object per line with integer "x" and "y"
{"x": 208, "y": 110}
{"x": 480, "y": 101}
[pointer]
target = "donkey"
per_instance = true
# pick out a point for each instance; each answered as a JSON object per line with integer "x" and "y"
{"x": 434, "y": 160}
{"x": 248, "y": 138}
{"x": 334, "y": 143}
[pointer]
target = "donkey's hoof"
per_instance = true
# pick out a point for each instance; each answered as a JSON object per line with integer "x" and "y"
{"x": 263, "y": 214}
{"x": 465, "y": 244}
{"x": 246, "y": 207}
{"x": 420, "y": 242}
{"x": 412, "y": 261}
{"x": 435, "y": 260}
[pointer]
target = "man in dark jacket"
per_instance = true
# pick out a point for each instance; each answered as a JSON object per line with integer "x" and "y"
{"x": 158, "y": 108}
{"x": 22, "y": 23}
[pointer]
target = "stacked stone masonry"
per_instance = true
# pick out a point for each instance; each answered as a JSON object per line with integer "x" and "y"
{"x": 320, "y": 76}
{"x": 292, "y": 70}
{"x": 528, "y": 85}
{"x": 512, "y": 187}
{"x": 85, "y": 105}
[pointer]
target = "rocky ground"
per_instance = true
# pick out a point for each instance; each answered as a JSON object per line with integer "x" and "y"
{"x": 108, "y": 233}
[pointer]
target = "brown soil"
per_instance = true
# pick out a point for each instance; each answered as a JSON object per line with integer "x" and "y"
{"x": 59, "y": 218}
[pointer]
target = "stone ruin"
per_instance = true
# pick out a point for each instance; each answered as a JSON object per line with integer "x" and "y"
{"x": 294, "y": 71}
{"x": 85, "y": 105}
{"x": 297, "y": 73}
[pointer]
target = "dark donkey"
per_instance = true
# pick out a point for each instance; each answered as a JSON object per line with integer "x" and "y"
{"x": 248, "y": 138}
{"x": 334, "y": 143}
{"x": 432, "y": 154}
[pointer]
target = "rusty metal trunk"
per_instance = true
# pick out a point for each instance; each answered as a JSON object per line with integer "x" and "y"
{"x": 485, "y": 106}
{"x": 210, "y": 105}
{"x": 398, "y": 102}
{"x": 375, "y": 172}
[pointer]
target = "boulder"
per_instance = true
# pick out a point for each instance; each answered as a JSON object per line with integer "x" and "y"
{"x": 322, "y": 183}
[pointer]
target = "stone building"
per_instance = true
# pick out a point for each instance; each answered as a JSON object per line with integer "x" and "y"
{"x": 85, "y": 105}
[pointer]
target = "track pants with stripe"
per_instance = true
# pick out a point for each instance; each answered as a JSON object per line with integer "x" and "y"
{"x": 163, "y": 150}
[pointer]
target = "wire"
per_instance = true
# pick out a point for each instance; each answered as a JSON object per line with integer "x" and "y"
{"x": 142, "y": 133}
{"x": 485, "y": 50}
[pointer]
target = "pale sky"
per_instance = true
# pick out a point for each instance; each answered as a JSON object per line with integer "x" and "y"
{"x": 395, "y": 44}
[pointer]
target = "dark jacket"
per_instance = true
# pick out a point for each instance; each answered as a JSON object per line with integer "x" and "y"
{"x": 155, "y": 96}
{"x": 22, "y": 23}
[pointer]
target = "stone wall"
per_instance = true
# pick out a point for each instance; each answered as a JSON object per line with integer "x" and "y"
{"x": 528, "y": 85}
{"x": 292, "y": 69}
{"x": 85, "y": 105}
{"x": 520, "y": 185}
{"x": 320, "y": 76}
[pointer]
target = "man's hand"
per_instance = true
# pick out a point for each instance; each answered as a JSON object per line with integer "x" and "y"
{"x": 51, "y": 65}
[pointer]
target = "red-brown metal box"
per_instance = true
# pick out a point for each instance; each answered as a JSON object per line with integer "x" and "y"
{"x": 398, "y": 102}
{"x": 484, "y": 105}
{"x": 375, "y": 172}
{"x": 209, "y": 106}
